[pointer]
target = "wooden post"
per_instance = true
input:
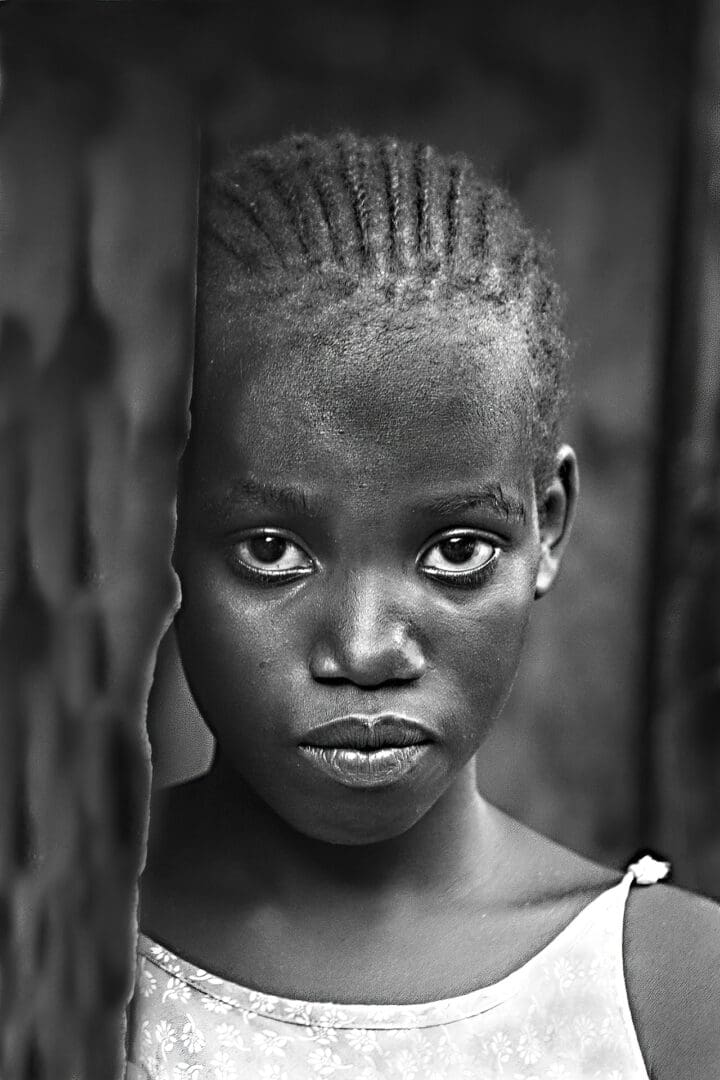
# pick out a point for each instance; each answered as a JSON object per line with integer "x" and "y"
{"x": 97, "y": 173}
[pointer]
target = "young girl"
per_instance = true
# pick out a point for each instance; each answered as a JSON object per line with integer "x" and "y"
{"x": 373, "y": 495}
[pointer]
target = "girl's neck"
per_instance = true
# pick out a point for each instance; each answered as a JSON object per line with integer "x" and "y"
{"x": 248, "y": 852}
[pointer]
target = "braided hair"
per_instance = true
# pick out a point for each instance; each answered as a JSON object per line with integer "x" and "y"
{"x": 396, "y": 221}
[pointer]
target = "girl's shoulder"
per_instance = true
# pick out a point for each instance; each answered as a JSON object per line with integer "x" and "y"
{"x": 671, "y": 955}
{"x": 672, "y": 968}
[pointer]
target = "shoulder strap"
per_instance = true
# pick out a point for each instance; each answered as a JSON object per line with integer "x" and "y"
{"x": 645, "y": 870}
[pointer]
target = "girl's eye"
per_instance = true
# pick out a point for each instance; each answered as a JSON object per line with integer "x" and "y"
{"x": 269, "y": 555}
{"x": 461, "y": 558}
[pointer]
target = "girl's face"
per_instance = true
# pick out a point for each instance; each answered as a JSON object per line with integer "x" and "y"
{"x": 358, "y": 539}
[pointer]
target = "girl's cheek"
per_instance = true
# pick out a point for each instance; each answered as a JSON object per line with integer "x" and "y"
{"x": 491, "y": 644}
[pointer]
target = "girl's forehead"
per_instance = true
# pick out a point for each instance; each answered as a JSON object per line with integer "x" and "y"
{"x": 396, "y": 403}
{"x": 363, "y": 366}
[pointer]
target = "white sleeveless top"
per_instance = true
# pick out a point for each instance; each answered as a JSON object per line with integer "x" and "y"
{"x": 563, "y": 1015}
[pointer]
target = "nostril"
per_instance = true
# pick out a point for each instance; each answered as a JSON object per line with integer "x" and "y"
{"x": 365, "y": 683}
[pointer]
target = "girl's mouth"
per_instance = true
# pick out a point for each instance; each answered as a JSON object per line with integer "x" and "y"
{"x": 365, "y": 768}
{"x": 366, "y": 751}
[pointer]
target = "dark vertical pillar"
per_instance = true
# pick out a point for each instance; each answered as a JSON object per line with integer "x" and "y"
{"x": 97, "y": 175}
{"x": 680, "y": 763}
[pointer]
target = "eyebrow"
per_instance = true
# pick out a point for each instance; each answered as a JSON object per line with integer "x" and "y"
{"x": 264, "y": 493}
{"x": 489, "y": 497}
{"x": 295, "y": 500}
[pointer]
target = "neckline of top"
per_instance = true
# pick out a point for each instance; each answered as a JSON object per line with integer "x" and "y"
{"x": 230, "y": 995}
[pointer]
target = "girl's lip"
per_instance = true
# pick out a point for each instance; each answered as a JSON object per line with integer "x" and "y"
{"x": 361, "y": 732}
{"x": 366, "y": 768}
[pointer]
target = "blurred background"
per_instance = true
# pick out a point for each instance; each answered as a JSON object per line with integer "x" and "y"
{"x": 603, "y": 120}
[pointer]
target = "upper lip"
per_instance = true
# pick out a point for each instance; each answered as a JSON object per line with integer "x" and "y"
{"x": 360, "y": 732}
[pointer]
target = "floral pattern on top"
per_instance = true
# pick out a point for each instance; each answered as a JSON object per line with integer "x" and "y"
{"x": 564, "y": 1015}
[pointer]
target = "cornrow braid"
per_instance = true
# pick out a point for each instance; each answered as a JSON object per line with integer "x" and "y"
{"x": 313, "y": 216}
{"x": 423, "y": 199}
{"x": 285, "y": 193}
{"x": 355, "y": 172}
{"x": 453, "y": 207}
{"x": 320, "y": 206}
{"x": 391, "y": 169}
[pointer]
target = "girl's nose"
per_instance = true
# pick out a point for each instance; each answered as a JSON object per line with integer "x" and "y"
{"x": 363, "y": 641}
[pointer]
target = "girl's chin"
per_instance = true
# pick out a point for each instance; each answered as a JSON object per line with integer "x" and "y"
{"x": 355, "y": 835}
{"x": 357, "y": 826}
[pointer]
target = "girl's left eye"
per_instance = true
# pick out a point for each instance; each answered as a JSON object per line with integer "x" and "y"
{"x": 269, "y": 554}
{"x": 464, "y": 555}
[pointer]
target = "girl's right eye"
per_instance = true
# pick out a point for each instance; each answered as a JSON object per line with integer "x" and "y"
{"x": 270, "y": 557}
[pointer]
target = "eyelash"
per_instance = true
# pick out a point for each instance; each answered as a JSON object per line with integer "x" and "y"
{"x": 458, "y": 579}
{"x": 453, "y": 579}
{"x": 471, "y": 579}
{"x": 266, "y": 577}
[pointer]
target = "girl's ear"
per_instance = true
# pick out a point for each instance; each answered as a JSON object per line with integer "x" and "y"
{"x": 556, "y": 507}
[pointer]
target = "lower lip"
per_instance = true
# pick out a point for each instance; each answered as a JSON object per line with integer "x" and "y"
{"x": 366, "y": 768}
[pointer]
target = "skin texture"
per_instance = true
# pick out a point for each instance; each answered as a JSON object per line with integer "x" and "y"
{"x": 419, "y": 890}
{"x": 367, "y": 438}
{"x": 672, "y": 963}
